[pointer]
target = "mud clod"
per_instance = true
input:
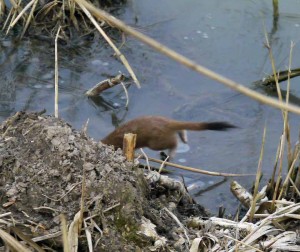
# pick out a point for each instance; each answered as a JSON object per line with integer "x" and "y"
{"x": 42, "y": 164}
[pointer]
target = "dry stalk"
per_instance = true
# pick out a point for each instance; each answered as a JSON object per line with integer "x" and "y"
{"x": 258, "y": 177}
{"x": 197, "y": 170}
{"x": 112, "y": 207}
{"x": 23, "y": 11}
{"x": 284, "y": 188}
{"x": 45, "y": 208}
{"x": 117, "y": 51}
{"x": 146, "y": 158}
{"x": 287, "y": 128}
{"x": 295, "y": 187}
{"x": 82, "y": 199}
{"x": 29, "y": 18}
{"x": 14, "y": 4}
{"x": 88, "y": 236}
{"x": 46, "y": 8}
{"x": 47, "y": 237}
{"x": 72, "y": 8}
{"x": 27, "y": 239}
{"x": 7, "y": 19}
{"x": 85, "y": 127}
{"x": 279, "y": 174}
{"x": 126, "y": 94}
{"x": 2, "y": 8}
{"x": 187, "y": 62}
{"x": 163, "y": 164}
{"x": 286, "y": 131}
{"x": 241, "y": 243}
{"x": 5, "y": 214}
{"x": 271, "y": 183}
{"x": 64, "y": 230}
{"x": 12, "y": 243}
{"x": 178, "y": 222}
{"x": 64, "y": 195}
{"x": 268, "y": 46}
{"x": 285, "y": 210}
{"x": 275, "y": 9}
{"x": 56, "y": 75}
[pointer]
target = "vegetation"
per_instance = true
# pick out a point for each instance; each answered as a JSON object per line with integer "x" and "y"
{"x": 273, "y": 210}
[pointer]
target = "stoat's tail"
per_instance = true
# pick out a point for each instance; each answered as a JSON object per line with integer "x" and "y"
{"x": 221, "y": 126}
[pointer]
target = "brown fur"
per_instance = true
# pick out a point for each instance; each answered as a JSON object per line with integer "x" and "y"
{"x": 159, "y": 133}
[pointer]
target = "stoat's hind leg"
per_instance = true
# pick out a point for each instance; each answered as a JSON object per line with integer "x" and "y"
{"x": 167, "y": 157}
{"x": 172, "y": 153}
{"x": 183, "y": 136}
{"x": 163, "y": 156}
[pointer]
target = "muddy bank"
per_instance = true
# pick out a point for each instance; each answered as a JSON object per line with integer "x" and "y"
{"x": 42, "y": 165}
{"x": 49, "y": 170}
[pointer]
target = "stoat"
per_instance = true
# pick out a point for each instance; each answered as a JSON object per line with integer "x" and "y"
{"x": 159, "y": 133}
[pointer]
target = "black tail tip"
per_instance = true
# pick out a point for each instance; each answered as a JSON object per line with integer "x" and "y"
{"x": 220, "y": 126}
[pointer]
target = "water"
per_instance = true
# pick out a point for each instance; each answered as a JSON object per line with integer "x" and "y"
{"x": 227, "y": 37}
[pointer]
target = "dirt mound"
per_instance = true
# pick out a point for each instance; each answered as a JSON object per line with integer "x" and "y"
{"x": 42, "y": 165}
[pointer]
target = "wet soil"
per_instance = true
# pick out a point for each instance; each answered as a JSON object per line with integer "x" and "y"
{"x": 44, "y": 167}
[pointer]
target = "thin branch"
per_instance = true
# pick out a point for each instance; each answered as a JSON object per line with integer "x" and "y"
{"x": 56, "y": 75}
{"x": 198, "y": 170}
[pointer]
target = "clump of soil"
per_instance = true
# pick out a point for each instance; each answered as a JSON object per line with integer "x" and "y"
{"x": 42, "y": 165}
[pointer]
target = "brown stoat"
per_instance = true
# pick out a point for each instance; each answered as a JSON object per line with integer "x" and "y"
{"x": 159, "y": 133}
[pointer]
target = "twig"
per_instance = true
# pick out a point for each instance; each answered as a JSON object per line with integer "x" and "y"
{"x": 105, "y": 84}
{"x": 85, "y": 127}
{"x": 294, "y": 186}
{"x": 56, "y": 76}
{"x": 178, "y": 222}
{"x": 126, "y": 94}
{"x": 64, "y": 194}
{"x": 287, "y": 128}
{"x": 112, "y": 207}
{"x": 279, "y": 176}
{"x": 29, "y": 18}
{"x": 242, "y": 243}
{"x": 145, "y": 157}
{"x": 258, "y": 177}
{"x": 20, "y": 15}
{"x": 5, "y": 214}
{"x": 88, "y": 236}
{"x": 46, "y": 237}
{"x": 198, "y": 170}
{"x": 284, "y": 188}
{"x": 268, "y": 46}
{"x": 45, "y": 208}
{"x": 281, "y": 76}
{"x": 163, "y": 164}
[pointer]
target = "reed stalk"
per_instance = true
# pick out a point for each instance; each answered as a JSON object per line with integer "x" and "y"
{"x": 258, "y": 177}
{"x": 56, "y": 75}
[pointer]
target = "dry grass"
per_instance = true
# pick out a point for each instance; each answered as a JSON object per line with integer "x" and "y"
{"x": 49, "y": 17}
{"x": 282, "y": 190}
